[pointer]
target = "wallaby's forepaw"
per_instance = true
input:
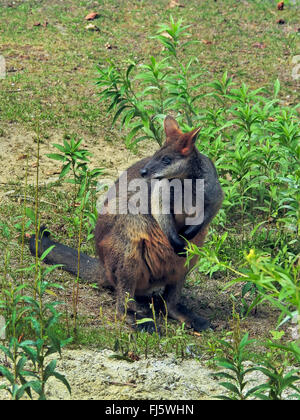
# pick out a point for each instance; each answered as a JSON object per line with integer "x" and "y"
{"x": 178, "y": 245}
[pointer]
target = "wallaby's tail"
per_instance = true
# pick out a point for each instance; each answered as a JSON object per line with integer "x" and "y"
{"x": 90, "y": 269}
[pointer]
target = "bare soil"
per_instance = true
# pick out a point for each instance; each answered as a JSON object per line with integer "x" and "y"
{"x": 16, "y": 145}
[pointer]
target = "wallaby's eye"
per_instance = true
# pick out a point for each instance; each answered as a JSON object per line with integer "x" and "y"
{"x": 166, "y": 160}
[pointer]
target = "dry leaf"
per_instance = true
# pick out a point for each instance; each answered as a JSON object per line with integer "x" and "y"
{"x": 133, "y": 356}
{"x": 92, "y": 27}
{"x": 22, "y": 157}
{"x": 108, "y": 46}
{"x": 166, "y": 35}
{"x": 175, "y": 3}
{"x": 280, "y": 5}
{"x": 92, "y": 16}
{"x": 260, "y": 45}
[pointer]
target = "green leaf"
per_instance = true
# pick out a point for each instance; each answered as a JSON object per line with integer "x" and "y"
{"x": 230, "y": 387}
{"x": 60, "y": 147}
{"x": 225, "y": 375}
{"x": 56, "y": 156}
{"x": 30, "y": 214}
{"x": 8, "y": 375}
{"x": 276, "y": 88}
{"x": 49, "y": 370}
{"x": 142, "y": 321}
{"x": 62, "y": 379}
{"x": 45, "y": 253}
{"x": 65, "y": 170}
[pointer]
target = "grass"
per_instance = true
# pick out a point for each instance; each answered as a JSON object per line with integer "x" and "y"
{"x": 51, "y": 69}
{"x": 51, "y": 72}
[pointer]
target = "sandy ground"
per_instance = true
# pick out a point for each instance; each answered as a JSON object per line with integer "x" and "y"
{"x": 16, "y": 144}
{"x": 95, "y": 375}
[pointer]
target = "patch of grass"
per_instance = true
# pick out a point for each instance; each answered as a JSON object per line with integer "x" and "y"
{"x": 51, "y": 68}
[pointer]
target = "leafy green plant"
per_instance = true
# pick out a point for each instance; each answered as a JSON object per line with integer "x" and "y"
{"x": 26, "y": 314}
{"x": 278, "y": 382}
{"x": 278, "y": 379}
{"x": 142, "y": 101}
{"x": 235, "y": 363}
{"x": 71, "y": 156}
{"x": 76, "y": 160}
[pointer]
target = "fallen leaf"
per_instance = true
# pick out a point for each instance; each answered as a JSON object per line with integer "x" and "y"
{"x": 166, "y": 35}
{"x": 108, "y": 46}
{"x": 91, "y": 27}
{"x": 175, "y": 3}
{"x": 92, "y": 16}
{"x": 133, "y": 356}
{"x": 22, "y": 157}
{"x": 260, "y": 45}
{"x": 280, "y": 5}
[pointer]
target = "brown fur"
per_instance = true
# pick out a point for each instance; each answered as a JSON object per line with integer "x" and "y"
{"x": 138, "y": 253}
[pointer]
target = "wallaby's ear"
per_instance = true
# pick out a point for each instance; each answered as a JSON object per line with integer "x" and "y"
{"x": 171, "y": 127}
{"x": 187, "y": 141}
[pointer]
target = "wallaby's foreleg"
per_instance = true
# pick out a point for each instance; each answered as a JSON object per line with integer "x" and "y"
{"x": 167, "y": 224}
{"x": 210, "y": 210}
{"x": 161, "y": 211}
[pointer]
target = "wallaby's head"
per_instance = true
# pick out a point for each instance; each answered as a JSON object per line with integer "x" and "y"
{"x": 172, "y": 159}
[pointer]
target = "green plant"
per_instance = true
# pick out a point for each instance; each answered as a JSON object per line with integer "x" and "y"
{"x": 76, "y": 160}
{"x": 278, "y": 379}
{"x": 278, "y": 382}
{"x": 235, "y": 362}
{"x": 143, "y": 101}
{"x": 276, "y": 368}
{"x": 26, "y": 314}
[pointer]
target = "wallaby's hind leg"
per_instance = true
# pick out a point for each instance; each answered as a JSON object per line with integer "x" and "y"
{"x": 127, "y": 273}
{"x": 181, "y": 313}
{"x": 126, "y": 305}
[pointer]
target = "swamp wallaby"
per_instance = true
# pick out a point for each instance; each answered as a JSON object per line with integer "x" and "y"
{"x": 143, "y": 250}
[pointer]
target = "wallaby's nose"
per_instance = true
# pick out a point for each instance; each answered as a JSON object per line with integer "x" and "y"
{"x": 143, "y": 172}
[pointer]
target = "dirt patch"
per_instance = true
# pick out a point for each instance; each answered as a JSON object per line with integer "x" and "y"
{"x": 95, "y": 375}
{"x": 17, "y": 144}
